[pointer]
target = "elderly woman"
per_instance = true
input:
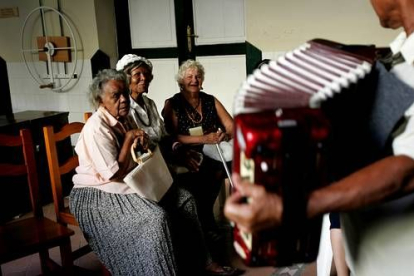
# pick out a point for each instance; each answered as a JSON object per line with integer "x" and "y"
{"x": 197, "y": 118}
{"x": 143, "y": 109}
{"x": 129, "y": 234}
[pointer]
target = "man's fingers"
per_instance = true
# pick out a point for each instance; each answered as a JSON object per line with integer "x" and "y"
{"x": 235, "y": 197}
{"x": 239, "y": 213}
{"x": 246, "y": 188}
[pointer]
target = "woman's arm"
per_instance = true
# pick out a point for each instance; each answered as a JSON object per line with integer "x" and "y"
{"x": 210, "y": 138}
{"x": 170, "y": 119}
{"x": 137, "y": 136}
{"x": 225, "y": 119}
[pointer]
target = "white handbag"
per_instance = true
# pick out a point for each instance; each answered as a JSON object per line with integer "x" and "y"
{"x": 151, "y": 179}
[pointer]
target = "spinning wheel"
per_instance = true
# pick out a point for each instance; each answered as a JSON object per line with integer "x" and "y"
{"x": 52, "y": 48}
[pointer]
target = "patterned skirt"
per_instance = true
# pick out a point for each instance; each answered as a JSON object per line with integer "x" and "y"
{"x": 134, "y": 236}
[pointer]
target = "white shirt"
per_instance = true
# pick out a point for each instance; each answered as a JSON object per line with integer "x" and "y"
{"x": 148, "y": 119}
{"x": 380, "y": 239}
{"x": 404, "y": 143}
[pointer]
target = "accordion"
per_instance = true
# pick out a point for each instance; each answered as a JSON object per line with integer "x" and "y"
{"x": 280, "y": 136}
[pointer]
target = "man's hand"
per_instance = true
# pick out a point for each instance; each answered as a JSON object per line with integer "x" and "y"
{"x": 262, "y": 210}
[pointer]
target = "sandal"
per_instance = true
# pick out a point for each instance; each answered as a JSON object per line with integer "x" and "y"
{"x": 214, "y": 269}
{"x": 215, "y": 237}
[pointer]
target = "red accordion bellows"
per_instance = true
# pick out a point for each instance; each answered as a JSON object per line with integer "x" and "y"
{"x": 280, "y": 135}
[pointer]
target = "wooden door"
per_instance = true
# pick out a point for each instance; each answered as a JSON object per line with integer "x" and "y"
{"x": 171, "y": 31}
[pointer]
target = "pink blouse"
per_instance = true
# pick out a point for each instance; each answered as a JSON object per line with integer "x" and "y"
{"x": 98, "y": 147}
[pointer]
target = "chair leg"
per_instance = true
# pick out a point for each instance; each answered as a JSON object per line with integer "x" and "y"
{"x": 66, "y": 257}
{"x": 44, "y": 257}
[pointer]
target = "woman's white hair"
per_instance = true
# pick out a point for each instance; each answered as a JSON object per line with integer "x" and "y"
{"x": 96, "y": 87}
{"x": 187, "y": 65}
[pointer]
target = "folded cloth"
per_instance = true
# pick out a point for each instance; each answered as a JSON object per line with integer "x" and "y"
{"x": 226, "y": 147}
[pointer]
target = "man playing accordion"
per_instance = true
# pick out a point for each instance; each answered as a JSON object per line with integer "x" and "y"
{"x": 376, "y": 201}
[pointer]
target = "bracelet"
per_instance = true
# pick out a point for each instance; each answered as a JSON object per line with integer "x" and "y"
{"x": 176, "y": 145}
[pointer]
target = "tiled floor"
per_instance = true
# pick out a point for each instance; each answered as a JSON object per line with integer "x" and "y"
{"x": 30, "y": 265}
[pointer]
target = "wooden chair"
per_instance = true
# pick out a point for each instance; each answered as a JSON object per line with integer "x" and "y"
{"x": 36, "y": 234}
{"x": 57, "y": 169}
{"x": 86, "y": 116}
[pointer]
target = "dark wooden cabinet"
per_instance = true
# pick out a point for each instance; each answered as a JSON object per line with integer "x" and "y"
{"x": 13, "y": 201}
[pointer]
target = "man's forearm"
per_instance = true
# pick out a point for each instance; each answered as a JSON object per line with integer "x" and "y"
{"x": 388, "y": 178}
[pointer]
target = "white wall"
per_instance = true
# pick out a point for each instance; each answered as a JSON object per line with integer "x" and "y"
{"x": 277, "y": 25}
{"x": 80, "y": 12}
{"x": 10, "y": 28}
{"x": 163, "y": 86}
{"x": 93, "y": 24}
{"x": 224, "y": 75}
{"x": 26, "y": 94}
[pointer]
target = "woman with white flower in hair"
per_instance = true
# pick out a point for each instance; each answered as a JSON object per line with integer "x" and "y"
{"x": 143, "y": 109}
{"x": 185, "y": 234}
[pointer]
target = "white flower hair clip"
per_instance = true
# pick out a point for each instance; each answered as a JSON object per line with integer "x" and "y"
{"x": 129, "y": 59}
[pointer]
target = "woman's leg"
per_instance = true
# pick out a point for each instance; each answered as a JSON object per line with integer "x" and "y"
{"x": 202, "y": 188}
{"x": 338, "y": 246}
{"x": 130, "y": 235}
{"x": 212, "y": 175}
{"x": 188, "y": 238}
{"x": 193, "y": 256}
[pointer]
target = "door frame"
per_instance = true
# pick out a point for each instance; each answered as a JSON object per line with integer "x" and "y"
{"x": 183, "y": 8}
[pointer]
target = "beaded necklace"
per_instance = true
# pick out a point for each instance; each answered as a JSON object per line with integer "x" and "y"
{"x": 192, "y": 112}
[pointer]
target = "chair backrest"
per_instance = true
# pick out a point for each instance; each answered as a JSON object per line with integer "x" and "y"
{"x": 59, "y": 167}
{"x": 86, "y": 116}
{"x": 27, "y": 166}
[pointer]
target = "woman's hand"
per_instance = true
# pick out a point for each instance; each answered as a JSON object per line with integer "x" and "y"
{"x": 224, "y": 137}
{"x": 133, "y": 136}
{"x": 213, "y": 137}
{"x": 188, "y": 157}
{"x": 137, "y": 137}
{"x": 193, "y": 160}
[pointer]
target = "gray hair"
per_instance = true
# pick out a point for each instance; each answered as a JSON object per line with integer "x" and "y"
{"x": 136, "y": 64}
{"x": 187, "y": 65}
{"x": 96, "y": 87}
